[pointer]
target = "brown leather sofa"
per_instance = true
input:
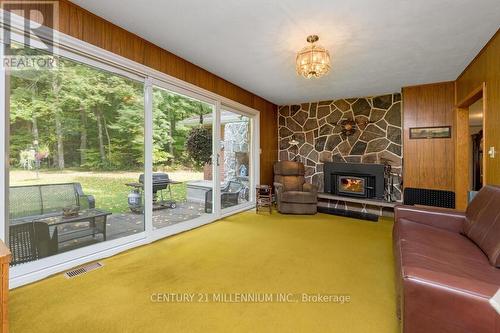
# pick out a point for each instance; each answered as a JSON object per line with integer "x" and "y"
{"x": 293, "y": 194}
{"x": 447, "y": 266}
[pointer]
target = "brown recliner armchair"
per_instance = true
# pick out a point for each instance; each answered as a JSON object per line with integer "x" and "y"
{"x": 293, "y": 194}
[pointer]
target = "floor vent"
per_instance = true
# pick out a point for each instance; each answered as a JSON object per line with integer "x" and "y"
{"x": 83, "y": 270}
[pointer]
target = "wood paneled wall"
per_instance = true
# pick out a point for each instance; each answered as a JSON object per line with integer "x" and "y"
{"x": 268, "y": 144}
{"x": 428, "y": 163}
{"x": 436, "y": 163}
{"x": 84, "y": 25}
{"x": 485, "y": 68}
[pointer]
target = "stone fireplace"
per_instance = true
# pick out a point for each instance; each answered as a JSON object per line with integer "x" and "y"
{"x": 364, "y": 130}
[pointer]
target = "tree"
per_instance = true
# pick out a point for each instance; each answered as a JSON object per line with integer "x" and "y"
{"x": 94, "y": 119}
{"x": 56, "y": 88}
{"x": 28, "y": 104}
{"x": 81, "y": 92}
{"x": 169, "y": 109}
{"x": 169, "y": 135}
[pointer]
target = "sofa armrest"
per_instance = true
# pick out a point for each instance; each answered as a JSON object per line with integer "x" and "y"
{"x": 87, "y": 201}
{"x": 443, "y": 218}
{"x": 84, "y": 200}
{"x": 432, "y": 306}
{"x": 310, "y": 188}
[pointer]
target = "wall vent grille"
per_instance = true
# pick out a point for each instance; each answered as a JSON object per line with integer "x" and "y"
{"x": 82, "y": 270}
{"x": 426, "y": 197}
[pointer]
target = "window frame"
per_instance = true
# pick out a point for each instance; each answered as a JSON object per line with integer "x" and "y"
{"x": 254, "y": 154}
{"x": 205, "y": 218}
{"x": 83, "y": 52}
{"x": 40, "y": 268}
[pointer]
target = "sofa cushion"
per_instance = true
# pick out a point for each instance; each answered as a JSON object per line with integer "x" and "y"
{"x": 444, "y": 258}
{"x": 482, "y": 224}
{"x": 299, "y": 197}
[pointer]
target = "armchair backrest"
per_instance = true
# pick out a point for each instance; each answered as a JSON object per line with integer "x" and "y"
{"x": 31, "y": 241}
{"x": 290, "y": 174}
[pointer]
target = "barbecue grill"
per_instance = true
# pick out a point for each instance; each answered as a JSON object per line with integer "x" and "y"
{"x": 161, "y": 182}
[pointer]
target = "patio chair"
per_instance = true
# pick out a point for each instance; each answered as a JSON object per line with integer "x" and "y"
{"x": 31, "y": 241}
{"x": 230, "y": 195}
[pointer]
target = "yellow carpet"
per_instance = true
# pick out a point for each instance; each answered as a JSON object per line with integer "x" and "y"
{"x": 243, "y": 255}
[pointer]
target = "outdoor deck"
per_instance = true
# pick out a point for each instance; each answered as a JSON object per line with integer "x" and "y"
{"x": 124, "y": 224}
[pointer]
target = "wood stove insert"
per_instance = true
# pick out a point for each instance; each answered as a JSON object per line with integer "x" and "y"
{"x": 355, "y": 180}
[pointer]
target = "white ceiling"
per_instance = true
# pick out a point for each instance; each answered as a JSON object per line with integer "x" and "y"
{"x": 377, "y": 46}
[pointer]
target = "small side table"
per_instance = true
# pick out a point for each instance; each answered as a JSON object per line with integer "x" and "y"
{"x": 264, "y": 197}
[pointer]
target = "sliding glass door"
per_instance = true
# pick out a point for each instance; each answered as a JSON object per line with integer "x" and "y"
{"x": 76, "y": 142}
{"x": 202, "y": 156}
{"x": 183, "y": 144}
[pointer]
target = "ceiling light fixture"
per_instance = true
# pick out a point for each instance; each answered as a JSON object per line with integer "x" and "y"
{"x": 313, "y": 61}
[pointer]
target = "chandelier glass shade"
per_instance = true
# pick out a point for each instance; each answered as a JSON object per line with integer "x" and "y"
{"x": 313, "y": 61}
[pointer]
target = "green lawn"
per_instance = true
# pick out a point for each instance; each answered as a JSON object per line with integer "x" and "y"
{"x": 108, "y": 188}
{"x": 111, "y": 194}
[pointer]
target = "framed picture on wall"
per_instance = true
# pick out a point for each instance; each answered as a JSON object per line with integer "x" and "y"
{"x": 436, "y": 132}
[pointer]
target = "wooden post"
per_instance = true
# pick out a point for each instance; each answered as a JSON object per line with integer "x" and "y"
{"x": 462, "y": 151}
{"x": 5, "y": 258}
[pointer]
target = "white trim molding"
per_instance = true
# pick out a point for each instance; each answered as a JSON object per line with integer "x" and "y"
{"x": 4, "y": 147}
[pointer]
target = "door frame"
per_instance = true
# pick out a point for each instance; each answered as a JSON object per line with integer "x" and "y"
{"x": 254, "y": 156}
{"x": 206, "y": 218}
{"x": 462, "y": 144}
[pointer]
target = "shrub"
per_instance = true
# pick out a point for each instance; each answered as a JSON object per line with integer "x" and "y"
{"x": 199, "y": 145}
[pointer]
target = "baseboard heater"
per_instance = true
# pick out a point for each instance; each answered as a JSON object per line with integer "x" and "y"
{"x": 348, "y": 213}
{"x": 427, "y": 197}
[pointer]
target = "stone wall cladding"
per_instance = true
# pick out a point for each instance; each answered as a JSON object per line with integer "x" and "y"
{"x": 314, "y": 126}
{"x": 236, "y": 139}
